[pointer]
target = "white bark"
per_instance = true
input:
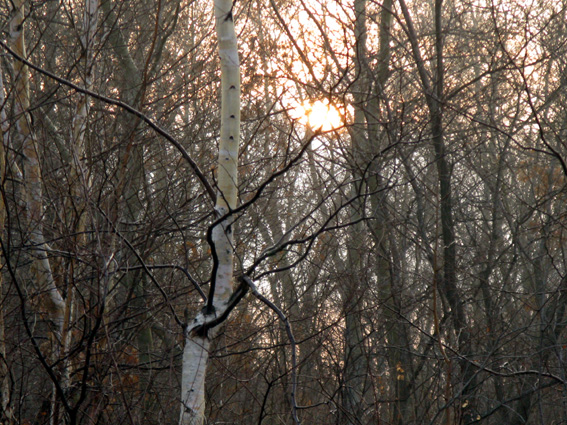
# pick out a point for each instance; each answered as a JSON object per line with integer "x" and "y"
{"x": 52, "y": 301}
{"x": 195, "y": 358}
{"x": 41, "y": 267}
{"x": 196, "y": 352}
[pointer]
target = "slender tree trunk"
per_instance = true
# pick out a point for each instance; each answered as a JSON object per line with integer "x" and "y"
{"x": 434, "y": 92}
{"x": 130, "y": 181}
{"x": 388, "y": 267}
{"x": 352, "y": 291}
{"x": 196, "y": 352}
{"x": 7, "y": 415}
{"x": 52, "y": 302}
{"x": 78, "y": 187}
{"x": 41, "y": 267}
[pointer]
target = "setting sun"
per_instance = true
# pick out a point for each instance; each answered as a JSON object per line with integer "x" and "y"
{"x": 319, "y": 115}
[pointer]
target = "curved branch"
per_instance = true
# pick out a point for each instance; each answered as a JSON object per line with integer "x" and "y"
{"x": 239, "y": 293}
{"x": 162, "y": 132}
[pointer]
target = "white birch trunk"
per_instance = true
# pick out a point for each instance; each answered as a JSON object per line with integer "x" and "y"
{"x": 41, "y": 267}
{"x": 196, "y": 352}
{"x": 51, "y": 300}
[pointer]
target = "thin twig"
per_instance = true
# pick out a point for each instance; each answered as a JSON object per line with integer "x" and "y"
{"x": 291, "y": 338}
{"x": 162, "y": 132}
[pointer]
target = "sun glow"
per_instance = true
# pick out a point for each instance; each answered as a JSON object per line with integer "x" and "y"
{"x": 319, "y": 115}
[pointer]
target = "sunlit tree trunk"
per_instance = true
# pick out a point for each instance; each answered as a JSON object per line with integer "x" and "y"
{"x": 196, "y": 352}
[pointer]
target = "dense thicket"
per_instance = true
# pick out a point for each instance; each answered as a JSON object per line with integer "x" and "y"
{"x": 417, "y": 248}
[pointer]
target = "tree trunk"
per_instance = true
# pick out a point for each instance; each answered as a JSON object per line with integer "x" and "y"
{"x": 52, "y": 302}
{"x": 7, "y": 416}
{"x": 41, "y": 267}
{"x": 354, "y": 385}
{"x": 196, "y": 352}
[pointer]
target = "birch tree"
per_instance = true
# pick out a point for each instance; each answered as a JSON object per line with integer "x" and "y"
{"x": 41, "y": 268}
{"x": 197, "y": 335}
{"x": 418, "y": 250}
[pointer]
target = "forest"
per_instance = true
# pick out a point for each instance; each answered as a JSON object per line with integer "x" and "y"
{"x": 278, "y": 212}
